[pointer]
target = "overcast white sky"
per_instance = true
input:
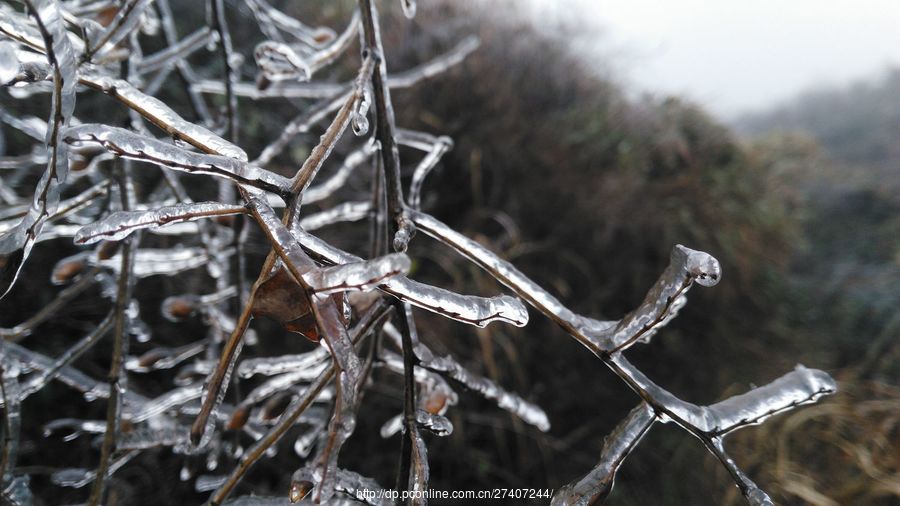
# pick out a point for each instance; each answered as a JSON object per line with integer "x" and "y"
{"x": 736, "y": 56}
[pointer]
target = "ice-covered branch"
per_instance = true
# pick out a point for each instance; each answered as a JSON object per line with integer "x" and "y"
{"x": 686, "y": 267}
{"x": 470, "y": 309}
{"x": 121, "y": 224}
{"x": 127, "y": 144}
{"x": 594, "y": 487}
{"x": 16, "y": 244}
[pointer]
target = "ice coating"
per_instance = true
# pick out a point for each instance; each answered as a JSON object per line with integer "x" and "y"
{"x": 502, "y": 270}
{"x": 798, "y": 387}
{"x": 9, "y": 63}
{"x": 528, "y": 412}
{"x": 126, "y": 20}
{"x": 362, "y": 276}
{"x": 300, "y": 388}
{"x": 16, "y": 244}
{"x": 40, "y": 379}
{"x": 594, "y": 487}
{"x": 438, "y": 425}
{"x": 175, "y": 52}
{"x": 121, "y": 224}
{"x": 162, "y": 403}
{"x": 127, "y": 144}
{"x": 441, "y": 146}
{"x": 164, "y": 358}
{"x": 153, "y": 262}
{"x": 77, "y": 477}
{"x": 300, "y": 124}
{"x": 353, "y": 160}
{"x": 271, "y": 366}
{"x": 280, "y": 62}
{"x": 274, "y": 23}
{"x": 282, "y": 382}
{"x": 346, "y": 482}
{"x": 469, "y": 309}
{"x": 686, "y": 267}
{"x": 347, "y": 211}
{"x": 165, "y": 118}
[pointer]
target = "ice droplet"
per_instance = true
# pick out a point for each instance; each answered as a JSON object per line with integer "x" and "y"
{"x": 409, "y": 8}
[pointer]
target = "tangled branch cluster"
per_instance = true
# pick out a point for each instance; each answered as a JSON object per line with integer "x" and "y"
{"x": 309, "y": 286}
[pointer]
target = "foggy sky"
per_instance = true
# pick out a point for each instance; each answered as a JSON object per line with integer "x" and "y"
{"x": 737, "y": 56}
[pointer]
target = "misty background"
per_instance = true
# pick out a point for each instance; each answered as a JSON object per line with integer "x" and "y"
{"x": 590, "y": 137}
{"x": 738, "y": 57}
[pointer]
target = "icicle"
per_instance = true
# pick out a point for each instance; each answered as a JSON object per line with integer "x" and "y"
{"x": 121, "y": 224}
{"x": 359, "y": 122}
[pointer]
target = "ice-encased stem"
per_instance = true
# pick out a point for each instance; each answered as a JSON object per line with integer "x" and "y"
{"x": 38, "y": 380}
{"x": 362, "y": 276}
{"x": 372, "y": 320}
{"x": 474, "y": 310}
{"x": 16, "y": 244}
{"x": 686, "y": 266}
{"x": 120, "y": 224}
{"x": 594, "y": 487}
{"x": 127, "y": 144}
{"x": 331, "y": 328}
{"x": 401, "y": 228}
{"x": 164, "y": 117}
{"x": 120, "y": 347}
{"x": 448, "y": 366}
{"x": 347, "y": 211}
